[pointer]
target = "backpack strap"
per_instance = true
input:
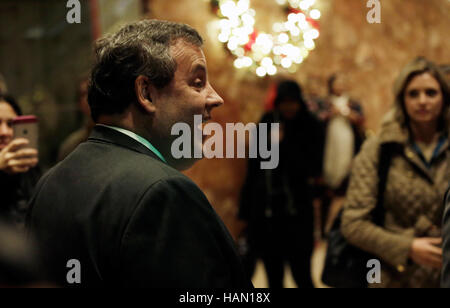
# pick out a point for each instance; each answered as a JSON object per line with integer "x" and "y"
{"x": 386, "y": 154}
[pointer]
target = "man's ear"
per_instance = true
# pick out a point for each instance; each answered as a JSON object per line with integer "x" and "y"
{"x": 144, "y": 89}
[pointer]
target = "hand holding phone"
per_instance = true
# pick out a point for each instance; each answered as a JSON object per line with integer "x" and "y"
{"x": 15, "y": 158}
{"x": 26, "y": 127}
{"x": 21, "y": 154}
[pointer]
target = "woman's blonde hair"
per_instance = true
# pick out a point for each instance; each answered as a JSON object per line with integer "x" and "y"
{"x": 417, "y": 67}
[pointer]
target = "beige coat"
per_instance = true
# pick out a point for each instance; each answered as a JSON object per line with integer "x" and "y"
{"x": 413, "y": 205}
{"x": 413, "y": 200}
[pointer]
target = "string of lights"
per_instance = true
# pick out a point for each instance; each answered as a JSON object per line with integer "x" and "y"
{"x": 287, "y": 46}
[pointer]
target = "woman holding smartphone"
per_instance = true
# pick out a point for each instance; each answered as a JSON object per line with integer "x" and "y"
{"x": 18, "y": 171}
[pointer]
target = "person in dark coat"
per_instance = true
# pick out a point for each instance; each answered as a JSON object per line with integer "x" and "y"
{"x": 117, "y": 210}
{"x": 277, "y": 204}
{"x": 18, "y": 167}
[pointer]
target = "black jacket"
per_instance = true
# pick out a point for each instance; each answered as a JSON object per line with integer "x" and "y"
{"x": 130, "y": 220}
{"x": 286, "y": 191}
{"x": 15, "y": 193}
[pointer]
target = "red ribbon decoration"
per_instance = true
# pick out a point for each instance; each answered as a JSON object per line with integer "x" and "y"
{"x": 251, "y": 42}
{"x": 295, "y": 11}
{"x": 314, "y": 23}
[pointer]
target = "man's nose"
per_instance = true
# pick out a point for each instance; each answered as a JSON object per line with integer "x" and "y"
{"x": 214, "y": 99}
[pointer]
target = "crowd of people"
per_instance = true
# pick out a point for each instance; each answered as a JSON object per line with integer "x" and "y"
{"x": 118, "y": 203}
{"x": 413, "y": 137}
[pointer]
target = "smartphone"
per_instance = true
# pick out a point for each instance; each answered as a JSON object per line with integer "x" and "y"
{"x": 27, "y": 127}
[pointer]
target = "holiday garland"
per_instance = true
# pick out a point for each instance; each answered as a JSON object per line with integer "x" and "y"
{"x": 266, "y": 53}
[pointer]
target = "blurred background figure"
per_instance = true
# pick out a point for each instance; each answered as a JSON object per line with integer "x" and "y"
{"x": 19, "y": 265}
{"x": 18, "y": 171}
{"x": 277, "y": 204}
{"x": 80, "y": 135}
{"x": 344, "y": 135}
{"x": 317, "y": 103}
{"x": 408, "y": 242}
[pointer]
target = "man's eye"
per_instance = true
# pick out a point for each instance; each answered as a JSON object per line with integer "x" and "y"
{"x": 198, "y": 83}
{"x": 9, "y": 123}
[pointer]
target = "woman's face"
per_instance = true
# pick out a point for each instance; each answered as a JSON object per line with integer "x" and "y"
{"x": 423, "y": 99}
{"x": 7, "y": 115}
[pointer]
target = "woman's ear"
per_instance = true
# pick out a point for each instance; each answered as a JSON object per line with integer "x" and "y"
{"x": 143, "y": 89}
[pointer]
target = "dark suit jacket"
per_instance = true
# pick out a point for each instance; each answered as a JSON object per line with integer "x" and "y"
{"x": 446, "y": 244}
{"x": 130, "y": 220}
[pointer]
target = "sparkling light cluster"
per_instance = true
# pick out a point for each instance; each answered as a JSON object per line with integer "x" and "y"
{"x": 286, "y": 47}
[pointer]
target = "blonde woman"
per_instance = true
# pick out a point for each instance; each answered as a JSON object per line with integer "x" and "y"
{"x": 408, "y": 242}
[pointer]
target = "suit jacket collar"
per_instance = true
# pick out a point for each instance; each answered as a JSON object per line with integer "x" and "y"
{"x": 108, "y": 135}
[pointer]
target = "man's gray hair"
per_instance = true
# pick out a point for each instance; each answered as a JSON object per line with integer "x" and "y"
{"x": 139, "y": 48}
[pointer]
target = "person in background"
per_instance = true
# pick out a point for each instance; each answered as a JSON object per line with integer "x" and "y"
{"x": 317, "y": 104}
{"x": 277, "y": 204}
{"x": 340, "y": 101}
{"x": 344, "y": 121}
{"x": 416, "y": 130}
{"x": 18, "y": 167}
{"x": 82, "y": 134}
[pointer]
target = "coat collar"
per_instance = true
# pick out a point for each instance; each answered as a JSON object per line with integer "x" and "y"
{"x": 108, "y": 135}
{"x": 392, "y": 131}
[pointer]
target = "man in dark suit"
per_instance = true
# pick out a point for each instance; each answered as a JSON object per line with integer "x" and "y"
{"x": 117, "y": 209}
